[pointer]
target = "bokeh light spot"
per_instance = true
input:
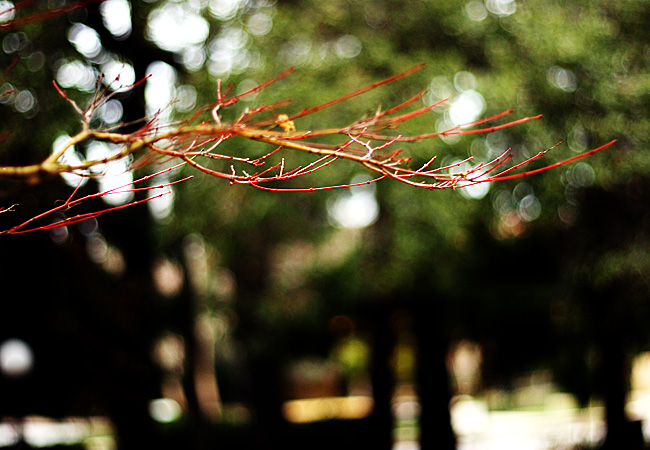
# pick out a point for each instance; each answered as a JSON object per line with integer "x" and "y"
{"x": 165, "y": 410}
{"x": 174, "y": 27}
{"x": 118, "y": 75}
{"x": 15, "y": 42}
{"x": 85, "y": 40}
{"x": 501, "y": 7}
{"x": 186, "y": 97}
{"x": 529, "y": 208}
{"x": 116, "y": 15}
{"x": 260, "y": 24}
{"x": 16, "y": 357}
{"x": 25, "y": 101}
{"x": 356, "y": 208}
{"x": 159, "y": 90}
{"x": 476, "y": 11}
{"x": 111, "y": 112}
{"x": 375, "y": 13}
{"x": 348, "y": 46}
{"x": 71, "y": 157}
{"x": 562, "y": 78}
{"x": 7, "y": 11}
{"x": 466, "y": 108}
{"x": 224, "y": 9}
{"x": 161, "y": 206}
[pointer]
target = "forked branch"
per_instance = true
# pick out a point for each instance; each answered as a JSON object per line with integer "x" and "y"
{"x": 200, "y": 142}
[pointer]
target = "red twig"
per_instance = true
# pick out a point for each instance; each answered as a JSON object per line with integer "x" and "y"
{"x": 356, "y": 93}
{"x": 44, "y": 15}
{"x": 70, "y": 203}
{"x": 552, "y": 166}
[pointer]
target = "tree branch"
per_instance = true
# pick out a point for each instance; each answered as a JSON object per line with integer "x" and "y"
{"x": 362, "y": 142}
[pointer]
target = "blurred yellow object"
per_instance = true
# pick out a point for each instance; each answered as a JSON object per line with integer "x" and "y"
{"x": 326, "y": 408}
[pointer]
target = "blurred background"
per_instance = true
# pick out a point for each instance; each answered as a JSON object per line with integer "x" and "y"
{"x": 507, "y": 316}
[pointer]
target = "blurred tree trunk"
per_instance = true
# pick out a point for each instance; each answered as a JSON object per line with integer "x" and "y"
{"x": 622, "y": 433}
{"x": 615, "y": 296}
{"x": 382, "y": 376}
{"x": 264, "y": 348}
{"x": 615, "y": 371}
{"x": 130, "y": 230}
{"x": 198, "y": 426}
{"x": 433, "y": 380}
{"x": 379, "y": 309}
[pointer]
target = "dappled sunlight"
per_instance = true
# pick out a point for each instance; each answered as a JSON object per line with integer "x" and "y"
{"x": 558, "y": 426}
{"x": 37, "y": 431}
{"x": 543, "y": 417}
